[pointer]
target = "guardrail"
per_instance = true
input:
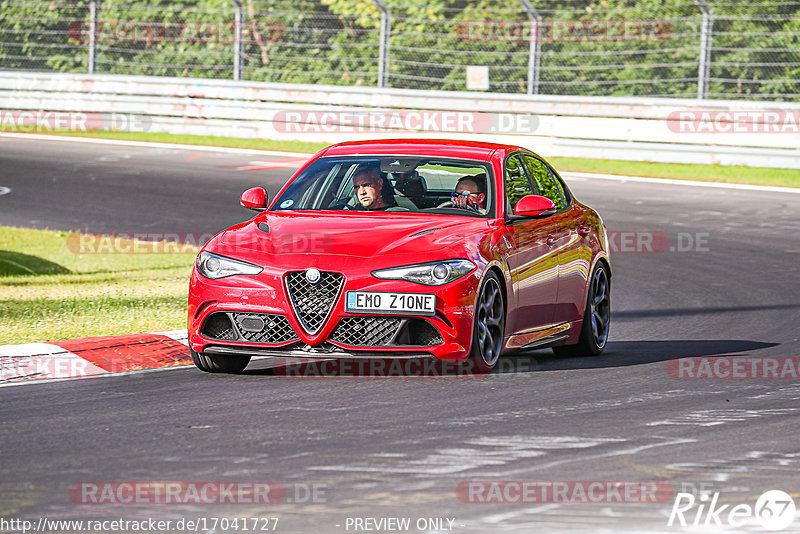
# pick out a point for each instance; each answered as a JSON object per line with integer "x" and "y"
{"x": 640, "y": 129}
{"x": 715, "y": 49}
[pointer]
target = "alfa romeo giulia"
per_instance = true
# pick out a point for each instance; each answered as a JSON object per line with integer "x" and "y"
{"x": 459, "y": 251}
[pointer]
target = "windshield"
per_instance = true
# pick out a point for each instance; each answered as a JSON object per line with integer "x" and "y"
{"x": 395, "y": 184}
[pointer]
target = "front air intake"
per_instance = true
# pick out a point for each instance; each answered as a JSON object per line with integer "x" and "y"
{"x": 253, "y": 327}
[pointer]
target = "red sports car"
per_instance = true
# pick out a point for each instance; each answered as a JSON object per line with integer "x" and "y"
{"x": 456, "y": 250}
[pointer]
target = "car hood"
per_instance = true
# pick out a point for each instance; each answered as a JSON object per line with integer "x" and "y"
{"x": 348, "y": 234}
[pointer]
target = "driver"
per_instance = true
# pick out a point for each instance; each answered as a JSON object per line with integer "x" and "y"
{"x": 470, "y": 192}
{"x": 372, "y": 191}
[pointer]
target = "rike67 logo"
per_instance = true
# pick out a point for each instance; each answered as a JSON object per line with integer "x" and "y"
{"x": 774, "y": 510}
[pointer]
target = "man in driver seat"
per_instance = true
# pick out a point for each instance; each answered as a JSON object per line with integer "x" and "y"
{"x": 373, "y": 192}
{"x": 470, "y": 193}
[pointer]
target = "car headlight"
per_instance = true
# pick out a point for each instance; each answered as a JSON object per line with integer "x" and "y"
{"x": 213, "y": 266}
{"x": 430, "y": 274}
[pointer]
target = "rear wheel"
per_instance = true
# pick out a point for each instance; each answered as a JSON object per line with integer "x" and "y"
{"x": 489, "y": 325}
{"x": 596, "y": 317}
{"x": 219, "y": 364}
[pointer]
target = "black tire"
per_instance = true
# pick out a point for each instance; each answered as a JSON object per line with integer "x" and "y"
{"x": 488, "y": 326}
{"x": 220, "y": 364}
{"x": 596, "y": 317}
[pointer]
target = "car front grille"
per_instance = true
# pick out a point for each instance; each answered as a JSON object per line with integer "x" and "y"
{"x": 253, "y": 327}
{"x": 366, "y": 331}
{"x": 385, "y": 332}
{"x": 312, "y": 302}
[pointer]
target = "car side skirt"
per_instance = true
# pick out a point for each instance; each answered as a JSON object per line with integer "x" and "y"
{"x": 538, "y": 336}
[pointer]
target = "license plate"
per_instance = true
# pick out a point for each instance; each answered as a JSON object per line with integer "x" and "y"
{"x": 380, "y": 302}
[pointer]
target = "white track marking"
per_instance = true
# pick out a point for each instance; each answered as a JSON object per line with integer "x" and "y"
{"x": 720, "y": 417}
{"x": 4, "y": 190}
{"x": 629, "y": 451}
{"x": 476, "y": 453}
{"x": 181, "y": 336}
{"x": 753, "y": 462}
{"x": 146, "y": 144}
{"x": 46, "y": 362}
{"x": 38, "y": 361}
{"x": 578, "y": 175}
{"x": 688, "y": 183}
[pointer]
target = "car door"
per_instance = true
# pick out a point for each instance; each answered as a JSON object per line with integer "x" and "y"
{"x": 573, "y": 261}
{"x": 533, "y": 262}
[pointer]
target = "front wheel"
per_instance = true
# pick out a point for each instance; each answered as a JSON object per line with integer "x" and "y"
{"x": 219, "y": 364}
{"x": 489, "y": 325}
{"x": 596, "y": 317}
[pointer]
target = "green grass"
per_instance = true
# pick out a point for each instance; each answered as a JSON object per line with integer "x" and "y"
{"x": 231, "y": 142}
{"x": 50, "y": 292}
{"x": 706, "y": 173}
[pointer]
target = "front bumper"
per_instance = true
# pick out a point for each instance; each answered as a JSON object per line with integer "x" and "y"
{"x": 446, "y": 335}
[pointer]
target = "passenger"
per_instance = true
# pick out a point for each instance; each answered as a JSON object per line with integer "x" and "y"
{"x": 470, "y": 193}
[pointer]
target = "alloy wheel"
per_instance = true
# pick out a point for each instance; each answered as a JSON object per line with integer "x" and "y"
{"x": 600, "y": 307}
{"x": 490, "y": 314}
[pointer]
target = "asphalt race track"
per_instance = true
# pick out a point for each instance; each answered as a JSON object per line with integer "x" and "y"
{"x": 726, "y": 284}
{"x": 110, "y": 188}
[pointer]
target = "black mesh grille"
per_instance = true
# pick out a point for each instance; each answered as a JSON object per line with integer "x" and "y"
{"x": 219, "y": 326}
{"x": 273, "y": 328}
{"x": 253, "y": 327}
{"x": 313, "y": 302}
{"x": 366, "y": 331}
{"x": 421, "y": 333}
{"x": 385, "y": 332}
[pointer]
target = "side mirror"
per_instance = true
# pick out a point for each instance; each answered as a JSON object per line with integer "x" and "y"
{"x": 255, "y": 198}
{"x": 534, "y": 206}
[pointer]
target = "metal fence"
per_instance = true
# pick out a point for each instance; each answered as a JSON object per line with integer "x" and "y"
{"x": 676, "y": 48}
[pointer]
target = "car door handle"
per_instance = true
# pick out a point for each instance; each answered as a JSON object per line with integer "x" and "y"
{"x": 550, "y": 240}
{"x": 584, "y": 230}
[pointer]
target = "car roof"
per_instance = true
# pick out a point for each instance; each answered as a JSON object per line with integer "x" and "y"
{"x": 477, "y": 150}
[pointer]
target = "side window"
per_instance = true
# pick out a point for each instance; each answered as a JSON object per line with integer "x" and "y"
{"x": 562, "y": 186}
{"x": 543, "y": 181}
{"x": 517, "y": 185}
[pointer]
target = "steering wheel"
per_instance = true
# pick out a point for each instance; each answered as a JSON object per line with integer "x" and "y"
{"x": 343, "y": 204}
{"x": 470, "y": 207}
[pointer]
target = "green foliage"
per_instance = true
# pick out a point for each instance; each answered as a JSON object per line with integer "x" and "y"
{"x": 756, "y": 47}
{"x": 543, "y": 181}
{"x": 27, "y": 36}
